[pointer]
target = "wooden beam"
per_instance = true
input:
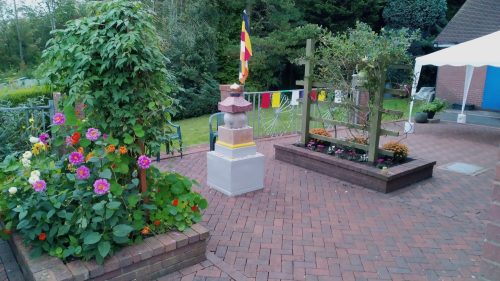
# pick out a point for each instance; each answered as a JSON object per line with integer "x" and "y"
{"x": 350, "y": 144}
{"x": 354, "y": 126}
{"x": 376, "y": 119}
{"x": 306, "y": 108}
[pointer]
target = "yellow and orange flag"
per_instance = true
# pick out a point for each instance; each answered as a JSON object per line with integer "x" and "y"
{"x": 245, "y": 48}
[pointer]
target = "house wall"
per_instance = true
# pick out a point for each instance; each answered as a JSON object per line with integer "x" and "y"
{"x": 450, "y": 85}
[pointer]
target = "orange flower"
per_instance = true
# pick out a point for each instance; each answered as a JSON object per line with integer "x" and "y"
{"x": 90, "y": 155}
{"x": 123, "y": 149}
{"x": 111, "y": 148}
{"x": 194, "y": 208}
{"x": 75, "y": 138}
{"x": 146, "y": 230}
{"x": 175, "y": 202}
{"x": 7, "y": 231}
{"x": 157, "y": 222}
{"x": 42, "y": 236}
{"x": 80, "y": 149}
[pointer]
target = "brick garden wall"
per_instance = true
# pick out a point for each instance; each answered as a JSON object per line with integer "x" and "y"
{"x": 450, "y": 84}
{"x": 490, "y": 266}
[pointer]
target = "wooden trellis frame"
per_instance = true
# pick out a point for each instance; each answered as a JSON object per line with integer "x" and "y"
{"x": 376, "y": 112}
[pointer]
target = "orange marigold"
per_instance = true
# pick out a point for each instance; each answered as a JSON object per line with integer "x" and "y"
{"x": 146, "y": 230}
{"x": 111, "y": 148}
{"x": 122, "y": 149}
{"x": 80, "y": 149}
{"x": 90, "y": 155}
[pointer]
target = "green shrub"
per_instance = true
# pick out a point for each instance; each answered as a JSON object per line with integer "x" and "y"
{"x": 21, "y": 95}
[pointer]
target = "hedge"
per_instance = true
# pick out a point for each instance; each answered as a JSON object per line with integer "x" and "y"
{"x": 22, "y": 95}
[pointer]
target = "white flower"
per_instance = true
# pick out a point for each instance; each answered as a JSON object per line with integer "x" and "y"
{"x": 27, "y": 155}
{"x": 26, "y": 162}
{"x": 35, "y": 173}
{"x": 33, "y": 179}
{"x": 13, "y": 190}
{"x": 34, "y": 140}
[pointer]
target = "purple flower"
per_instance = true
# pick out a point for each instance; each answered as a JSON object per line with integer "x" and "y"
{"x": 82, "y": 173}
{"x": 44, "y": 138}
{"x": 39, "y": 185}
{"x": 76, "y": 158}
{"x": 93, "y": 134}
{"x": 101, "y": 186}
{"x": 105, "y": 136}
{"x": 59, "y": 118}
{"x": 144, "y": 162}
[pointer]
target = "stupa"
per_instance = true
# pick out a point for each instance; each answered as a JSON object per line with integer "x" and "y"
{"x": 235, "y": 167}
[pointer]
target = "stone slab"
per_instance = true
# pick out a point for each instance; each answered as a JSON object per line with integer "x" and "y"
{"x": 235, "y": 152}
{"x": 367, "y": 176}
{"x": 235, "y": 176}
{"x": 235, "y": 136}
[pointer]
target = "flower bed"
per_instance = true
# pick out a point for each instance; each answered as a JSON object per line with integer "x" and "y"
{"x": 75, "y": 195}
{"x": 366, "y": 175}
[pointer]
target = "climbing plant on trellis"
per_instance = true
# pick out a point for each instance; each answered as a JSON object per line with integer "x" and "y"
{"x": 374, "y": 80}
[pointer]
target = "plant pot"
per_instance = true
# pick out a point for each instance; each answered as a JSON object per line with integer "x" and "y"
{"x": 430, "y": 114}
{"x": 421, "y": 117}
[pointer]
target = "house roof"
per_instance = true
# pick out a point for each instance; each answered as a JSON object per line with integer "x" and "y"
{"x": 475, "y": 18}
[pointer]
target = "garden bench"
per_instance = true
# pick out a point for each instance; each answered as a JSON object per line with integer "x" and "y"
{"x": 169, "y": 138}
{"x": 214, "y": 133}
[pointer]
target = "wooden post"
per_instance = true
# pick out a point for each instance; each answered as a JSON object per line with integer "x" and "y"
{"x": 376, "y": 119}
{"x": 306, "y": 109}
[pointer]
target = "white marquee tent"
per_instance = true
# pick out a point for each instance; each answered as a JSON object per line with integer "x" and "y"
{"x": 481, "y": 51}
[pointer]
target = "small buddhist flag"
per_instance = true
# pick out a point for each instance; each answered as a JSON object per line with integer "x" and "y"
{"x": 245, "y": 48}
{"x": 295, "y": 97}
{"x": 266, "y": 100}
{"x": 313, "y": 95}
{"x": 322, "y": 95}
{"x": 276, "y": 99}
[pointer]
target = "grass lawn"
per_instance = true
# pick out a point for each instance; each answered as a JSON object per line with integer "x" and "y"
{"x": 195, "y": 130}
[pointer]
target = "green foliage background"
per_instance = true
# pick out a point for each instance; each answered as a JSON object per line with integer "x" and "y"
{"x": 201, "y": 37}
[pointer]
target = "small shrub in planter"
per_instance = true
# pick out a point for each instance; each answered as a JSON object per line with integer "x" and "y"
{"x": 400, "y": 150}
{"x": 431, "y": 108}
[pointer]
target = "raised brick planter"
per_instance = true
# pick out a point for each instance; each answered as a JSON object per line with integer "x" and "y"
{"x": 357, "y": 173}
{"x": 155, "y": 257}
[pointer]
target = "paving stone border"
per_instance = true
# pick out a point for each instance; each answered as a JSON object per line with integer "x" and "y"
{"x": 154, "y": 257}
{"x": 370, "y": 177}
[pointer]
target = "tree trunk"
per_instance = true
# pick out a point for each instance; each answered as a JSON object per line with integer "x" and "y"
{"x": 21, "y": 56}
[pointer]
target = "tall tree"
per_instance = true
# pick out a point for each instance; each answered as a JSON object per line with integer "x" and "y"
{"x": 21, "y": 57}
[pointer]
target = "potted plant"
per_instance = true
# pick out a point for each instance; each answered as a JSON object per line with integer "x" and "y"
{"x": 431, "y": 108}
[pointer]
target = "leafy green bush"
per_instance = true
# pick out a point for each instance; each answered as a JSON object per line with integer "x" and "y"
{"x": 82, "y": 194}
{"x": 22, "y": 95}
{"x": 86, "y": 203}
{"x": 437, "y": 105}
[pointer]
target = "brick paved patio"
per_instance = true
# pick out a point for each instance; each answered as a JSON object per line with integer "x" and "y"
{"x": 307, "y": 226}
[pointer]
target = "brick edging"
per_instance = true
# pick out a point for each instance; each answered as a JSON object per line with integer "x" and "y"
{"x": 397, "y": 177}
{"x": 155, "y": 256}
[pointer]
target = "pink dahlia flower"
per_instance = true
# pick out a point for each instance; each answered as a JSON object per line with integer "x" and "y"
{"x": 39, "y": 185}
{"x": 76, "y": 158}
{"x": 82, "y": 173}
{"x": 101, "y": 186}
{"x": 93, "y": 134}
{"x": 59, "y": 118}
{"x": 144, "y": 162}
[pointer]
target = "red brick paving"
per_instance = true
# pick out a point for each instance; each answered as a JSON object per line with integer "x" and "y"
{"x": 307, "y": 226}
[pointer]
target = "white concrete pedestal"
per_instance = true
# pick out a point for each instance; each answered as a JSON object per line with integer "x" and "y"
{"x": 461, "y": 118}
{"x": 234, "y": 176}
